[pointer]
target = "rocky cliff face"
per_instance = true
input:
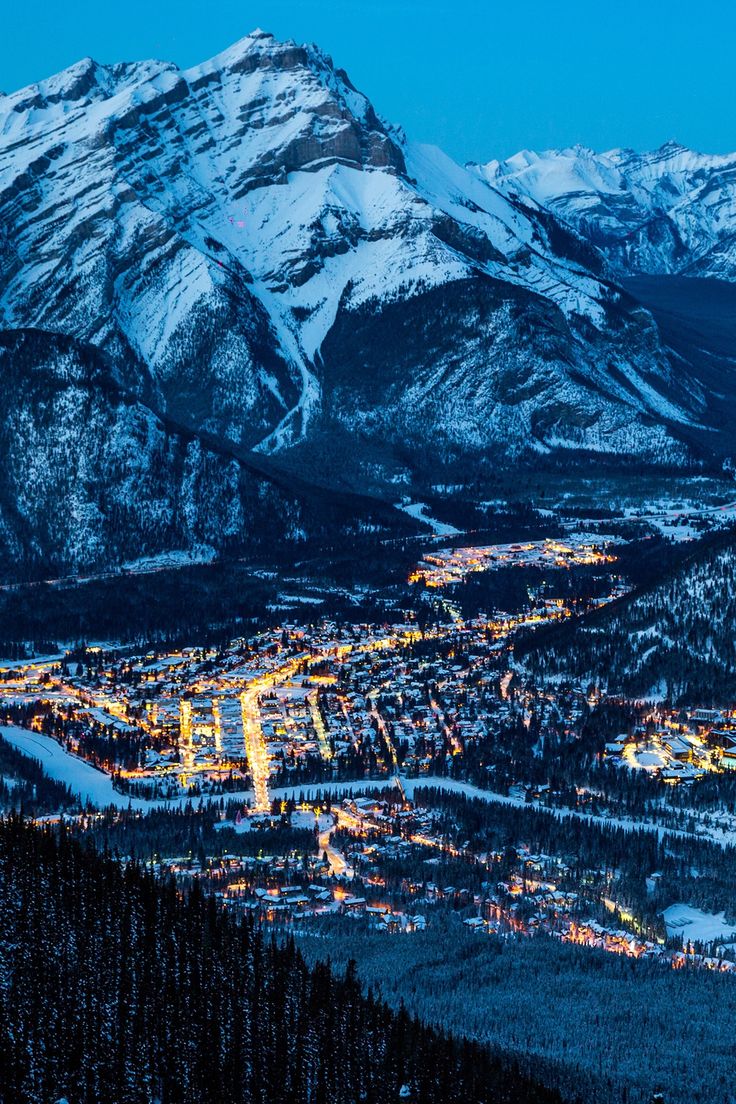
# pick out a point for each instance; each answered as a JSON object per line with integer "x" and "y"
{"x": 123, "y": 203}
{"x": 219, "y": 231}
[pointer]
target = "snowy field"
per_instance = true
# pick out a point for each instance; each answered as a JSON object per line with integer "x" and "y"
{"x": 692, "y": 923}
{"x": 88, "y": 783}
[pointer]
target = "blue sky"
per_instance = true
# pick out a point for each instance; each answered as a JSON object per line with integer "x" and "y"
{"x": 480, "y": 79}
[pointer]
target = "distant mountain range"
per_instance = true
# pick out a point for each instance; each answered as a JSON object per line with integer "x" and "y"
{"x": 264, "y": 272}
{"x": 669, "y": 212}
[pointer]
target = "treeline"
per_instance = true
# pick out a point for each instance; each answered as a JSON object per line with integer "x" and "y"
{"x": 601, "y": 1028}
{"x": 195, "y": 832}
{"x": 567, "y": 764}
{"x": 116, "y": 988}
{"x": 170, "y": 606}
{"x": 214, "y": 602}
{"x": 673, "y": 640}
{"x": 107, "y": 746}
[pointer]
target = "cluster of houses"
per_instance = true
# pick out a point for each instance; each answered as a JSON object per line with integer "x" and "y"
{"x": 294, "y": 903}
{"x": 242, "y": 871}
{"x": 324, "y": 702}
{"x": 289, "y": 903}
{"x": 308, "y": 703}
{"x": 448, "y": 566}
{"x": 678, "y": 745}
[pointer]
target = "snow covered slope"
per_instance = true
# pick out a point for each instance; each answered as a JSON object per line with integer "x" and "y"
{"x": 260, "y": 257}
{"x": 668, "y": 211}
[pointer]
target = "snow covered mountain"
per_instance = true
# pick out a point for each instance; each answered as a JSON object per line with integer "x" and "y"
{"x": 255, "y": 251}
{"x": 669, "y": 211}
{"x": 263, "y": 262}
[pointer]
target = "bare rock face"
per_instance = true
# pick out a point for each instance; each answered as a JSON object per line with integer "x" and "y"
{"x": 212, "y": 229}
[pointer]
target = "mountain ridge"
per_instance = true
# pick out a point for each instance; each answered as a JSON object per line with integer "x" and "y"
{"x": 241, "y": 207}
{"x": 262, "y": 261}
{"x": 93, "y": 477}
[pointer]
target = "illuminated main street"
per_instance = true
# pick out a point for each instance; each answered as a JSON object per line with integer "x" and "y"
{"x": 432, "y": 691}
{"x": 255, "y": 749}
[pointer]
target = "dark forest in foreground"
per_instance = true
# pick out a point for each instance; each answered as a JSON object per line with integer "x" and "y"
{"x": 116, "y": 989}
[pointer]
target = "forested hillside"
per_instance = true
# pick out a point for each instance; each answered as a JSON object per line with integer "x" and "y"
{"x": 116, "y": 989}
{"x": 674, "y": 640}
{"x": 91, "y": 477}
{"x": 25, "y": 788}
{"x": 605, "y": 1028}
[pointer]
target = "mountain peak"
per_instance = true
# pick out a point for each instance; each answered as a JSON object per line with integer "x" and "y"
{"x": 256, "y": 41}
{"x": 673, "y": 146}
{"x": 252, "y": 247}
{"x": 86, "y": 81}
{"x": 71, "y": 83}
{"x": 258, "y": 47}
